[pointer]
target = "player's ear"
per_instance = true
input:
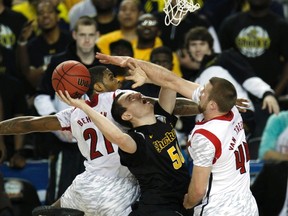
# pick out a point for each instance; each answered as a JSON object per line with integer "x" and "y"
{"x": 126, "y": 116}
{"x": 99, "y": 87}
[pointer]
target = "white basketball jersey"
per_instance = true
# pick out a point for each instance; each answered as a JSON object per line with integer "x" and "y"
{"x": 221, "y": 144}
{"x": 101, "y": 155}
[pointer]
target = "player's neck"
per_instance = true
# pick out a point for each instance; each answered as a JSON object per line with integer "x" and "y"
{"x": 145, "y": 120}
{"x": 211, "y": 115}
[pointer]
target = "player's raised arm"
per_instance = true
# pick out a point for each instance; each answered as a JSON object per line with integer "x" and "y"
{"x": 155, "y": 73}
{"x": 109, "y": 130}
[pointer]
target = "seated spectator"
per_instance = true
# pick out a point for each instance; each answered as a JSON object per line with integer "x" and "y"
{"x": 270, "y": 186}
{"x": 11, "y": 89}
{"x": 128, "y": 14}
{"x": 106, "y": 16}
{"x": 29, "y": 9}
{"x": 11, "y": 26}
{"x": 36, "y": 55}
{"x": 147, "y": 33}
{"x": 121, "y": 47}
{"x": 274, "y": 141}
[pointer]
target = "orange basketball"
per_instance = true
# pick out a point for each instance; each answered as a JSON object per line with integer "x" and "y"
{"x": 72, "y": 76}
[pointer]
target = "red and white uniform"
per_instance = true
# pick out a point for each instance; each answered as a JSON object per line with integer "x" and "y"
{"x": 220, "y": 143}
{"x": 106, "y": 187}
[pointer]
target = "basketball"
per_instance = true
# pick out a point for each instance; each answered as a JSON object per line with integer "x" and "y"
{"x": 72, "y": 76}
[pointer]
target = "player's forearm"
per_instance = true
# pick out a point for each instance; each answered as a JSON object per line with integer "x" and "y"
{"x": 185, "y": 107}
{"x": 29, "y": 124}
{"x": 109, "y": 129}
{"x": 163, "y": 77}
{"x": 15, "y": 126}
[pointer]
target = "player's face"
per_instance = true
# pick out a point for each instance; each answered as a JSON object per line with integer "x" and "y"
{"x": 85, "y": 38}
{"x": 198, "y": 49}
{"x": 204, "y": 98}
{"x": 110, "y": 82}
{"x": 135, "y": 104}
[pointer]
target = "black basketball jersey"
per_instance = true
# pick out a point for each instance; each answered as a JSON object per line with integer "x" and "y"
{"x": 158, "y": 163}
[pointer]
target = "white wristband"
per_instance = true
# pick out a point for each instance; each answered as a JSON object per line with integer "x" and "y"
{"x": 196, "y": 94}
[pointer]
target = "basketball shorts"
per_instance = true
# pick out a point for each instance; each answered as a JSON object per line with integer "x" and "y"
{"x": 101, "y": 196}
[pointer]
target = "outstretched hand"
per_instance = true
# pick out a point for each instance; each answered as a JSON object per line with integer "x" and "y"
{"x": 121, "y": 61}
{"x": 137, "y": 75}
{"x": 70, "y": 101}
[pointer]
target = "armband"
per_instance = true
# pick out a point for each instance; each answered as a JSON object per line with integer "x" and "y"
{"x": 268, "y": 93}
{"x": 196, "y": 94}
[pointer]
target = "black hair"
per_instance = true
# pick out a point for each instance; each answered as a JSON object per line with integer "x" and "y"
{"x": 117, "y": 111}
{"x": 162, "y": 49}
{"x": 97, "y": 74}
{"x": 121, "y": 43}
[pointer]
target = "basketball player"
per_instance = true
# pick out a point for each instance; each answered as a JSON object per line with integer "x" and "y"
{"x": 150, "y": 150}
{"x": 105, "y": 188}
{"x": 220, "y": 183}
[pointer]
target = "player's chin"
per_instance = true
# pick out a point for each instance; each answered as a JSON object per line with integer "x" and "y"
{"x": 87, "y": 49}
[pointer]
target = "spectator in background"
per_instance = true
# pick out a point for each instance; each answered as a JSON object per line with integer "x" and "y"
{"x": 106, "y": 17}
{"x": 11, "y": 89}
{"x": 11, "y": 23}
{"x": 121, "y": 47}
{"x": 260, "y": 37}
{"x": 36, "y": 55}
{"x": 274, "y": 141}
{"x": 63, "y": 147}
{"x": 29, "y": 9}
{"x": 270, "y": 185}
{"x": 231, "y": 66}
{"x": 82, "y": 8}
{"x": 128, "y": 14}
{"x": 147, "y": 33}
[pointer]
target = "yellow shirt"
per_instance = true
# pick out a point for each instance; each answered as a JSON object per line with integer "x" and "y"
{"x": 105, "y": 40}
{"x": 144, "y": 54}
{"x": 29, "y": 11}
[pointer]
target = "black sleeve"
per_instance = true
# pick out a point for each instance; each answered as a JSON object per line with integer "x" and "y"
{"x": 160, "y": 111}
{"x": 239, "y": 68}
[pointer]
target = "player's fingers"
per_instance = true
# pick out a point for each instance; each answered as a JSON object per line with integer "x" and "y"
{"x": 103, "y": 61}
{"x": 131, "y": 66}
